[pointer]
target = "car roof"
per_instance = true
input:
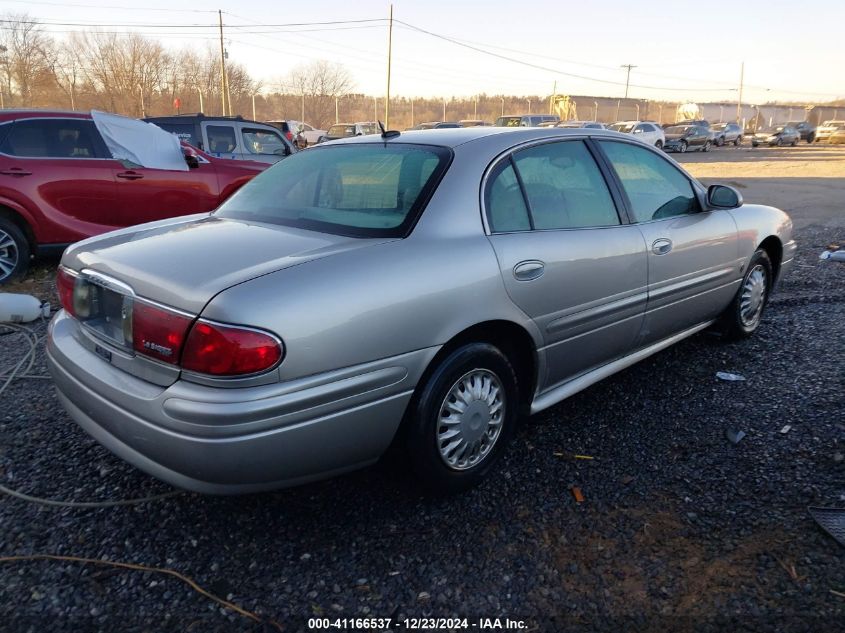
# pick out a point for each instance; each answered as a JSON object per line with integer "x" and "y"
{"x": 453, "y": 137}
{"x": 31, "y": 113}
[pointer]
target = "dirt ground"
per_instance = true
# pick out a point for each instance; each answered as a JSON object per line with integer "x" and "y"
{"x": 807, "y": 181}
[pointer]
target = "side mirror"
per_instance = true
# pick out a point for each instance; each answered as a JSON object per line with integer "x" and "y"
{"x": 723, "y": 197}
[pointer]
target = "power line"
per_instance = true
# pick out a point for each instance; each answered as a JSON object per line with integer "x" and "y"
{"x": 180, "y": 26}
{"x": 103, "y": 6}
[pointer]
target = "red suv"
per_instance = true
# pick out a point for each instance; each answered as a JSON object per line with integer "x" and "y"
{"x": 59, "y": 184}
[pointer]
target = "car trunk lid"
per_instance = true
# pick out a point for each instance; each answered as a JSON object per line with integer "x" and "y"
{"x": 184, "y": 267}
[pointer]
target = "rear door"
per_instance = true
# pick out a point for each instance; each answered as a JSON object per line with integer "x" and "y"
{"x": 566, "y": 258}
{"x": 221, "y": 139}
{"x": 60, "y": 170}
{"x": 693, "y": 261}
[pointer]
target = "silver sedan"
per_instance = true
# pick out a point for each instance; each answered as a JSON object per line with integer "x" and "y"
{"x": 420, "y": 290}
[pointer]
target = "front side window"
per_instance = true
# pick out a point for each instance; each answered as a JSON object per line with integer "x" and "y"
{"x": 53, "y": 138}
{"x": 341, "y": 131}
{"x": 655, "y": 188}
{"x": 221, "y": 139}
{"x": 258, "y": 141}
{"x": 564, "y": 187}
{"x": 362, "y": 190}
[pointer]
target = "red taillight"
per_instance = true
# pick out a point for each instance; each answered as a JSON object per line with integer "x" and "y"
{"x": 289, "y": 135}
{"x": 158, "y": 332}
{"x": 65, "y": 282}
{"x": 224, "y": 350}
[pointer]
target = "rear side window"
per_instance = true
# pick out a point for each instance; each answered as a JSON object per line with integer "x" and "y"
{"x": 655, "y": 188}
{"x": 221, "y": 139}
{"x": 564, "y": 187}
{"x": 363, "y": 190}
{"x": 506, "y": 210}
{"x": 54, "y": 138}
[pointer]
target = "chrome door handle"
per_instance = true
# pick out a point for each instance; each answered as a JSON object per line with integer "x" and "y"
{"x": 528, "y": 270}
{"x": 661, "y": 246}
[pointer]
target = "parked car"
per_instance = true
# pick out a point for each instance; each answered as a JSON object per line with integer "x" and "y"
{"x": 838, "y": 137}
{"x": 347, "y": 130}
{"x": 806, "y": 129}
{"x": 472, "y": 122}
{"x": 525, "y": 120}
{"x": 727, "y": 133}
{"x": 777, "y": 135}
{"x": 827, "y": 128}
{"x": 645, "y": 131}
{"x": 590, "y": 125}
{"x": 59, "y": 183}
{"x": 337, "y": 321}
{"x": 680, "y": 138}
{"x": 435, "y": 125}
{"x": 300, "y": 134}
{"x": 234, "y": 138}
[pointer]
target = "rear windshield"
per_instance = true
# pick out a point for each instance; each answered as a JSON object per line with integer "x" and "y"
{"x": 341, "y": 130}
{"x": 361, "y": 190}
{"x": 508, "y": 121}
{"x": 622, "y": 127}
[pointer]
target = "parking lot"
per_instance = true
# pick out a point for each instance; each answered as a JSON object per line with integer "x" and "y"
{"x": 680, "y": 529}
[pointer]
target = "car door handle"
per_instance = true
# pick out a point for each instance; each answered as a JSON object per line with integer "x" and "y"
{"x": 528, "y": 270}
{"x": 130, "y": 175}
{"x": 661, "y": 246}
{"x": 15, "y": 171}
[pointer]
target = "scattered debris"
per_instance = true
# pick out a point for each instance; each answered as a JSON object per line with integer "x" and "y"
{"x": 627, "y": 479}
{"x": 423, "y": 595}
{"x": 790, "y": 569}
{"x": 735, "y": 437}
{"x": 786, "y": 429}
{"x": 837, "y": 593}
{"x": 836, "y": 256}
{"x": 576, "y": 492}
{"x": 831, "y": 520}
{"x": 572, "y": 455}
{"x": 724, "y": 375}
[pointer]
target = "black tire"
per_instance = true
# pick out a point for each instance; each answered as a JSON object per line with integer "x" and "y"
{"x": 811, "y": 138}
{"x": 14, "y": 251}
{"x": 659, "y": 144}
{"x": 795, "y": 143}
{"x": 426, "y": 413}
{"x": 737, "y": 141}
{"x": 720, "y": 141}
{"x": 735, "y": 322}
{"x": 780, "y": 142}
{"x": 706, "y": 147}
{"x": 682, "y": 147}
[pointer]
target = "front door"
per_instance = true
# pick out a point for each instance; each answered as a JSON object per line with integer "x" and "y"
{"x": 566, "y": 259}
{"x": 694, "y": 267}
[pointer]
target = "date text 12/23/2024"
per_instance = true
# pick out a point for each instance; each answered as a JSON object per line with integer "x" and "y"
{"x": 417, "y": 624}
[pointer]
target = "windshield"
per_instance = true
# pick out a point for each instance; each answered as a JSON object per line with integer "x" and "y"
{"x": 362, "y": 190}
{"x": 622, "y": 127}
{"x": 369, "y": 128}
{"x": 508, "y": 121}
{"x": 339, "y": 131}
{"x": 719, "y": 126}
{"x": 677, "y": 129}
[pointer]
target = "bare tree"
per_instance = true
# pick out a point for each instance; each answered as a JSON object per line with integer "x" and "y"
{"x": 67, "y": 70}
{"x": 26, "y": 48}
{"x": 320, "y": 82}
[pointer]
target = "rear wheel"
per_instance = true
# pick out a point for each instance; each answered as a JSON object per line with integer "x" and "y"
{"x": 720, "y": 141}
{"x": 795, "y": 142}
{"x": 743, "y": 316}
{"x": 659, "y": 144}
{"x": 14, "y": 251}
{"x": 461, "y": 422}
{"x": 737, "y": 141}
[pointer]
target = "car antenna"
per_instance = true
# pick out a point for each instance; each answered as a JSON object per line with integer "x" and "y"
{"x": 386, "y": 134}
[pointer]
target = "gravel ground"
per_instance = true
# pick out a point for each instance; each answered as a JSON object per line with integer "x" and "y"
{"x": 679, "y": 530}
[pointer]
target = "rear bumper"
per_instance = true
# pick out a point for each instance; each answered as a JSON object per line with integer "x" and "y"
{"x": 234, "y": 440}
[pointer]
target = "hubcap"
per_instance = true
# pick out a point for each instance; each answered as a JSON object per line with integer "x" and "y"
{"x": 470, "y": 419}
{"x": 8, "y": 254}
{"x": 753, "y": 297}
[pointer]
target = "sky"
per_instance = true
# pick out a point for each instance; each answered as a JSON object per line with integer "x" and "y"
{"x": 681, "y": 50}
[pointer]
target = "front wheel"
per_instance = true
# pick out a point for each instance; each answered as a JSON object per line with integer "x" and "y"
{"x": 795, "y": 143}
{"x": 659, "y": 144}
{"x": 706, "y": 147}
{"x": 461, "y": 422}
{"x": 682, "y": 147}
{"x": 780, "y": 142}
{"x": 737, "y": 141}
{"x": 14, "y": 251}
{"x": 720, "y": 141}
{"x": 742, "y": 317}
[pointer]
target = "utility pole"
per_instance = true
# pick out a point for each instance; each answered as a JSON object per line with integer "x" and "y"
{"x": 412, "y": 112}
{"x": 389, "y": 58}
{"x": 627, "y": 76}
{"x": 552, "y": 98}
{"x": 224, "y": 84}
{"x": 199, "y": 92}
{"x": 739, "y": 102}
{"x": 253, "y": 108}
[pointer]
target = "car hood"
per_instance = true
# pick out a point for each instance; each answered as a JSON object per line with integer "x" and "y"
{"x": 184, "y": 265}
